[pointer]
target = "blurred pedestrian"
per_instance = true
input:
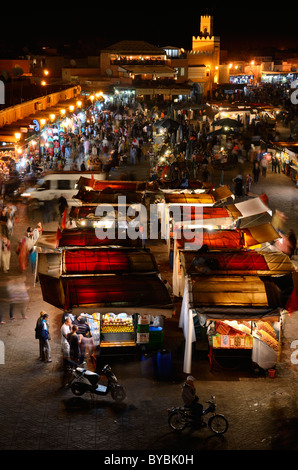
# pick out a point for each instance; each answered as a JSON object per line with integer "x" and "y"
{"x": 3, "y": 222}
{"x": 62, "y": 205}
{"x": 5, "y": 246}
{"x": 37, "y": 232}
{"x": 292, "y": 242}
{"x": 46, "y": 212}
{"x": 264, "y": 165}
{"x": 248, "y": 181}
{"x": 278, "y": 221}
{"x": 18, "y": 296}
{"x": 25, "y": 246}
{"x": 256, "y": 171}
{"x": 74, "y": 344}
{"x": 238, "y": 181}
{"x": 3, "y": 298}
{"x": 264, "y": 198}
{"x": 86, "y": 338}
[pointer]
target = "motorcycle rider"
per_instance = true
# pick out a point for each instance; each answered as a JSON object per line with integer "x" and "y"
{"x": 191, "y": 400}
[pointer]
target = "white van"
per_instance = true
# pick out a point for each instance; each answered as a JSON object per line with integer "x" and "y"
{"x": 54, "y": 184}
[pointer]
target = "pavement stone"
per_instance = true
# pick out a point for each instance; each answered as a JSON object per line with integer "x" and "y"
{"x": 36, "y": 414}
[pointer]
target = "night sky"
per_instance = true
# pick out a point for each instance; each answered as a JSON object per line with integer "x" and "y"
{"x": 240, "y": 25}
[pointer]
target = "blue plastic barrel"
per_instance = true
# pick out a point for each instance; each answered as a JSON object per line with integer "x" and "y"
{"x": 164, "y": 364}
{"x": 148, "y": 366}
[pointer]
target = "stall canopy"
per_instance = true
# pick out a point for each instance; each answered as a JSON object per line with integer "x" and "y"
{"x": 96, "y": 261}
{"x": 206, "y": 197}
{"x": 90, "y": 213}
{"x": 248, "y": 212}
{"x": 101, "y": 185}
{"x": 224, "y": 291}
{"x": 229, "y": 297}
{"x": 228, "y": 239}
{"x": 214, "y": 240}
{"x": 239, "y": 262}
{"x": 259, "y": 234}
{"x": 99, "y": 261}
{"x": 188, "y": 198}
{"x": 108, "y": 196}
{"x": 88, "y": 237}
{"x": 211, "y": 216}
{"x": 143, "y": 294}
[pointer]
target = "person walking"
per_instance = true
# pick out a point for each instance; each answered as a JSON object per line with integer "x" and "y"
{"x": 18, "y": 296}
{"x": 5, "y": 246}
{"x": 37, "y": 232}
{"x": 3, "y": 222}
{"x": 62, "y": 205}
{"x": 264, "y": 164}
{"x": 256, "y": 171}
{"x": 24, "y": 248}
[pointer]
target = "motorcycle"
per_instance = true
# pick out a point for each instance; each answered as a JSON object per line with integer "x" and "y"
{"x": 84, "y": 381}
{"x": 181, "y": 417}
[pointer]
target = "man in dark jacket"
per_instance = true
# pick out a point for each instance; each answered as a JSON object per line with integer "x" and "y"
{"x": 45, "y": 336}
{"x": 38, "y": 330}
{"x": 191, "y": 400}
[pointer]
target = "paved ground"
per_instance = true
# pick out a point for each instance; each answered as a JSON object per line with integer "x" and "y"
{"x": 36, "y": 414}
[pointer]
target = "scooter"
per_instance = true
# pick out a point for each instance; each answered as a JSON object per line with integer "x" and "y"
{"x": 180, "y": 417}
{"x": 84, "y": 381}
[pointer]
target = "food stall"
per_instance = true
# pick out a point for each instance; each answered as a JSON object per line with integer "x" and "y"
{"x": 178, "y": 205}
{"x": 260, "y": 338}
{"x": 214, "y": 298}
{"x": 216, "y": 240}
{"x": 117, "y": 287}
{"x": 258, "y": 291}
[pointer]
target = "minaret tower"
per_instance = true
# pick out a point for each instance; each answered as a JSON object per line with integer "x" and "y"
{"x": 206, "y": 28}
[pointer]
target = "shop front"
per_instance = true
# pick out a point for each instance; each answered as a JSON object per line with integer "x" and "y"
{"x": 125, "y": 308}
{"x": 240, "y": 312}
{"x": 115, "y": 285}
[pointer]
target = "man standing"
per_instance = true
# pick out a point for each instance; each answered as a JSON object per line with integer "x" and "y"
{"x": 65, "y": 330}
{"x": 45, "y": 336}
{"x": 38, "y": 329}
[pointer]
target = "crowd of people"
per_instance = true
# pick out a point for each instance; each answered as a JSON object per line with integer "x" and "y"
{"x": 123, "y": 134}
{"x": 76, "y": 339}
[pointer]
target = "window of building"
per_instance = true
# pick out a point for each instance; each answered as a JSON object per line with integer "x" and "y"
{"x": 63, "y": 184}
